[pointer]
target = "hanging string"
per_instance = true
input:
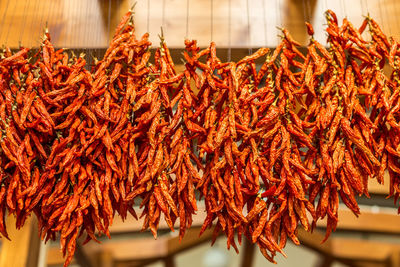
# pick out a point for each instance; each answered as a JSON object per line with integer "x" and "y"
{"x": 305, "y": 13}
{"x": 397, "y": 18}
{"x": 108, "y": 21}
{"x": 362, "y": 7}
{"x": 24, "y": 19}
{"x": 248, "y": 28}
{"x": 343, "y": 7}
{"x": 75, "y": 29}
{"x": 87, "y": 40}
{"x": 41, "y": 17}
{"x": 163, "y": 15}
{"x": 97, "y": 39}
{"x": 66, "y": 29}
{"x": 8, "y": 30}
{"x": 366, "y": 5}
{"x": 278, "y": 5}
{"x": 187, "y": 19}
{"x": 309, "y": 10}
{"x": 148, "y": 15}
{"x": 4, "y": 16}
{"x": 265, "y": 24}
{"x": 381, "y": 15}
{"x": 212, "y": 20}
{"x": 229, "y": 32}
{"x": 387, "y": 16}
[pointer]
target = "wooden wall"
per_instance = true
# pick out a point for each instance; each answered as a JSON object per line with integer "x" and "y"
{"x": 88, "y": 23}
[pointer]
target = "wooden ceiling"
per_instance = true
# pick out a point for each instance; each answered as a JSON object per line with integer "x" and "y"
{"x": 230, "y": 23}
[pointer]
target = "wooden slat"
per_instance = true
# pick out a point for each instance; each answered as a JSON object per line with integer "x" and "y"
{"x": 138, "y": 248}
{"x": 75, "y": 23}
{"x": 345, "y": 249}
{"x": 369, "y": 221}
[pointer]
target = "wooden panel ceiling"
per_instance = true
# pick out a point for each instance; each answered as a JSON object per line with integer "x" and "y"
{"x": 230, "y": 23}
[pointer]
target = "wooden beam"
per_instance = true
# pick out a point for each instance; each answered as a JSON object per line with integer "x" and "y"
{"x": 247, "y": 254}
{"x": 81, "y": 257}
{"x": 23, "y": 250}
{"x": 372, "y": 221}
{"x": 169, "y": 261}
{"x": 76, "y": 23}
{"x": 325, "y": 262}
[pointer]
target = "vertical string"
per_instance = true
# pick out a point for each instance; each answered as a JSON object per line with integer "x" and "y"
{"x": 279, "y": 17}
{"x": 97, "y": 37}
{"x": 24, "y": 19}
{"x": 52, "y": 12}
{"x": 87, "y": 30}
{"x": 148, "y": 15}
{"x": 212, "y": 20}
{"x": 248, "y": 28}
{"x": 309, "y": 10}
{"x": 229, "y": 31}
{"x": 265, "y": 23}
{"x": 187, "y": 20}
{"x": 387, "y": 17}
{"x": 41, "y": 17}
{"x": 397, "y": 18}
{"x": 381, "y": 15}
{"x": 75, "y": 30}
{"x": 4, "y": 16}
{"x": 108, "y": 21}
{"x": 163, "y": 15}
{"x": 362, "y": 7}
{"x": 343, "y": 7}
{"x": 305, "y": 13}
{"x": 366, "y": 5}
{"x": 8, "y": 30}
{"x": 66, "y": 29}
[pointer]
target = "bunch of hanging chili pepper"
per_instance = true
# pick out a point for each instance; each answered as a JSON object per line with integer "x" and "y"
{"x": 268, "y": 148}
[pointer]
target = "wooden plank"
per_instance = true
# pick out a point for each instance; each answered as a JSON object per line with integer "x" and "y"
{"x": 23, "y": 250}
{"x": 138, "y": 249}
{"x": 169, "y": 261}
{"x": 366, "y": 250}
{"x": 348, "y": 249}
{"x": 313, "y": 241}
{"x": 75, "y": 23}
{"x": 82, "y": 258}
{"x": 370, "y": 220}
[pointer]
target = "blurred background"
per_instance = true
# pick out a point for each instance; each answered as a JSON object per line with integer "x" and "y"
{"x": 237, "y": 27}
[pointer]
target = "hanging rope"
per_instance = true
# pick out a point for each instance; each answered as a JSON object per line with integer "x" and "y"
{"x": 387, "y": 16}
{"x": 343, "y": 7}
{"x": 33, "y": 18}
{"x": 381, "y": 15}
{"x": 8, "y": 30}
{"x": 108, "y": 21}
{"x": 148, "y": 16}
{"x": 265, "y": 23}
{"x": 24, "y": 19}
{"x": 187, "y": 20}
{"x": 4, "y": 16}
{"x": 212, "y": 20}
{"x": 248, "y": 28}
{"x": 397, "y": 18}
{"x": 229, "y": 31}
{"x": 305, "y": 13}
{"x": 163, "y": 15}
